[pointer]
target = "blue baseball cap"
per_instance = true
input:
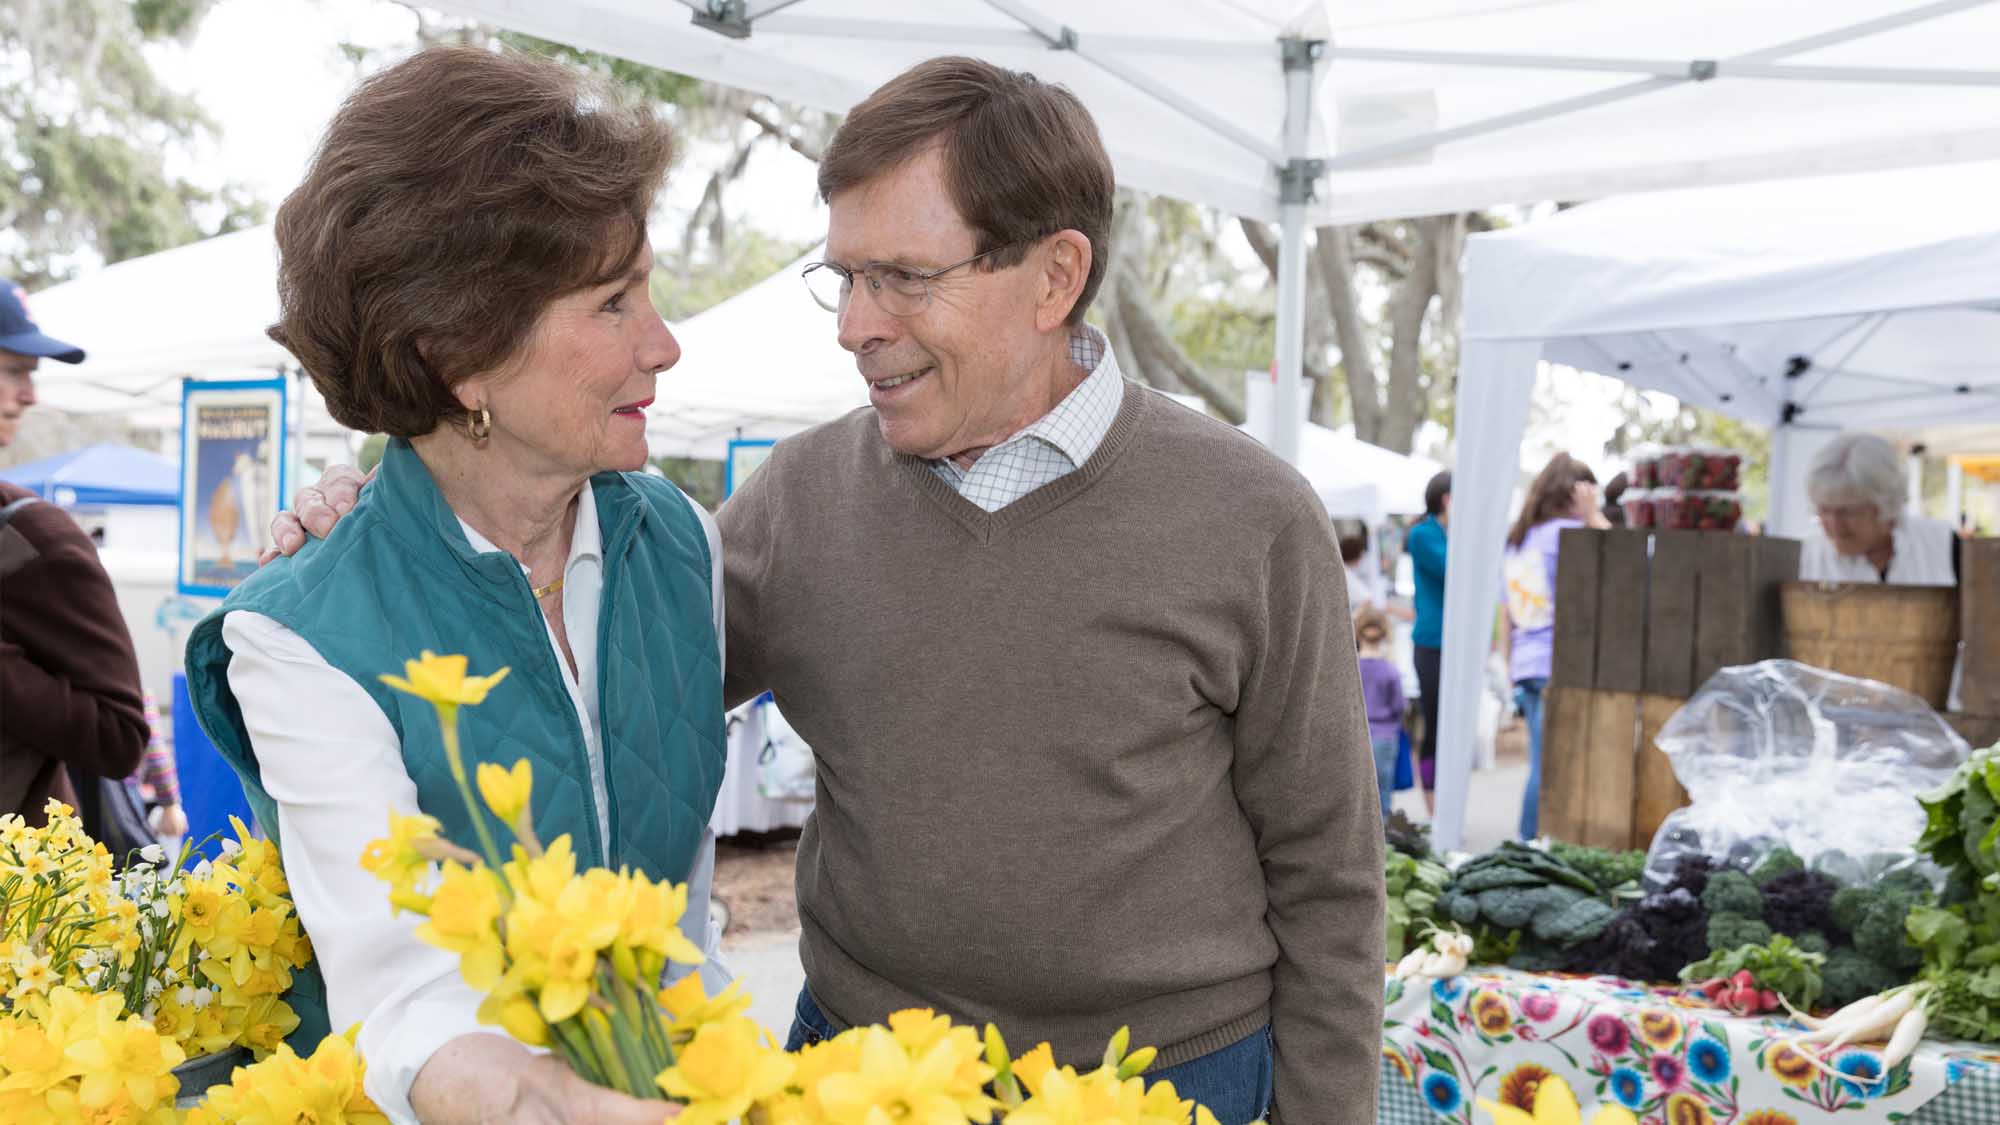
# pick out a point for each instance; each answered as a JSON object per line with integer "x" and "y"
{"x": 19, "y": 335}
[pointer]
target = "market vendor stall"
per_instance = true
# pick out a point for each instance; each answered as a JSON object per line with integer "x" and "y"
{"x": 1815, "y": 937}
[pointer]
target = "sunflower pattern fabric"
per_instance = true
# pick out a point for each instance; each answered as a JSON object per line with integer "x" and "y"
{"x": 1648, "y": 1054}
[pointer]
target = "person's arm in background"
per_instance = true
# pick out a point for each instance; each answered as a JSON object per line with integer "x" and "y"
{"x": 158, "y": 774}
{"x": 69, "y": 682}
{"x": 1304, "y": 776}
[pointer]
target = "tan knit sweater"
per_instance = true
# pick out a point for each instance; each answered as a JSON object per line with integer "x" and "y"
{"x": 1095, "y": 759}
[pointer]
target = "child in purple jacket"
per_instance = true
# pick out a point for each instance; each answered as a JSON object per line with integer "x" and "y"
{"x": 1382, "y": 695}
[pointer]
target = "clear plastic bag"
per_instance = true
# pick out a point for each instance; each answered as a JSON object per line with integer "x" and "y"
{"x": 1783, "y": 753}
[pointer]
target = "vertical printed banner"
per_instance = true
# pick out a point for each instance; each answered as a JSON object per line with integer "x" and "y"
{"x": 232, "y": 479}
{"x": 743, "y": 458}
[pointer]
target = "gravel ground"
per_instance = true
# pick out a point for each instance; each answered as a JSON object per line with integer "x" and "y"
{"x": 753, "y": 878}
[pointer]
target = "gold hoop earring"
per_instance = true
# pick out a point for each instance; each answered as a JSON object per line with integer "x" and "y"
{"x": 480, "y": 425}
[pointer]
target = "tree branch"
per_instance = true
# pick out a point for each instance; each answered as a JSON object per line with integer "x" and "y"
{"x": 1153, "y": 345}
{"x": 790, "y": 137}
{"x": 1263, "y": 242}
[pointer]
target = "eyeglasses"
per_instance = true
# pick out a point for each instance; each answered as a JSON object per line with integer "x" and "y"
{"x": 899, "y": 290}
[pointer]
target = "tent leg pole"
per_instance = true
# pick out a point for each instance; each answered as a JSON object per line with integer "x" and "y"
{"x": 1296, "y": 185}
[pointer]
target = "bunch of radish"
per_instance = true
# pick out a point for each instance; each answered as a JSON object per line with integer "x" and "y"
{"x": 1739, "y": 995}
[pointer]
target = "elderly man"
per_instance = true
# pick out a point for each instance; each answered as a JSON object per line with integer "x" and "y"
{"x": 1075, "y": 661}
{"x": 69, "y": 682}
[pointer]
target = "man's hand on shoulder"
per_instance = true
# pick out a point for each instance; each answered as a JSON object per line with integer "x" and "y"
{"x": 316, "y": 508}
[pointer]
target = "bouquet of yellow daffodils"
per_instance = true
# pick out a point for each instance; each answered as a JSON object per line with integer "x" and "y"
{"x": 574, "y": 961}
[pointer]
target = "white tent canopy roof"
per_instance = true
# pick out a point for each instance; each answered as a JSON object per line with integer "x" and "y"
{"x": 1356, "y": 479}
{"x": 1867, "y": 301}
{"x": 1423, "y": 106}
{"x": 196, "y": 310}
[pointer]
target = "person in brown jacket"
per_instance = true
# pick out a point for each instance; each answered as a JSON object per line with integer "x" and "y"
{"x": 69, "y": 682}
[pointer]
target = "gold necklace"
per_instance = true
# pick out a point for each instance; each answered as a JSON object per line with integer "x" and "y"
{"x": 544, "y": 591}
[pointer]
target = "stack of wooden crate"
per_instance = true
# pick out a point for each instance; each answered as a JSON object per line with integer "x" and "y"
{"x": 1643, "y": 618}
{"x": 1979, "y": 629}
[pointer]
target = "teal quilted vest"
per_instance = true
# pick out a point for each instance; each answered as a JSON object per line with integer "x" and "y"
{"x": 397, "y": 577}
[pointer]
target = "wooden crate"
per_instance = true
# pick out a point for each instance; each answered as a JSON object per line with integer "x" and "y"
{"x": 1979, "y": 731}
{"x": 1979, "y": 626}
{"x": 1643, "y": 619}
{"x": 1608, "y": 786}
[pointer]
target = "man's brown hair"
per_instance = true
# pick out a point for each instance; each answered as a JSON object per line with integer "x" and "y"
{"x": 453, "y": 197}
{"x": 1022, "y": 158}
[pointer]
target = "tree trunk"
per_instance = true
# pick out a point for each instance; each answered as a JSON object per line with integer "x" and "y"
{"x": 1433, "y": 270}
{"x": 1333, "y": 261}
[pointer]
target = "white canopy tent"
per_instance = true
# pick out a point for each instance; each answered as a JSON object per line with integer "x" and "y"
{"x": 199, "y": 310}
{"x": 1346, "y": 110}
{"x": 763, "y": 364}
{"x": 1854, "y": 302}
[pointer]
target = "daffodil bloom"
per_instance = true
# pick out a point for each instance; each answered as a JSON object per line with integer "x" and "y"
{"x": 727, "y": 1068}
{"x": 1556, "y": 1105}
{"x": 115, "y": 1054}
{"x": 441, "y": 681}
{"x": 506, "y": 790}
{"x": 691, "y": 1008}
{"x": 463, "y": 917}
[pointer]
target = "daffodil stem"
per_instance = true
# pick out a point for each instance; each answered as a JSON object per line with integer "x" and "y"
{"x": 448, "y": 722}
{"x": 575, "y": 1048}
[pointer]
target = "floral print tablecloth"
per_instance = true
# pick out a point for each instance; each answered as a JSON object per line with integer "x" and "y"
{"x": 1667, "y": 1056}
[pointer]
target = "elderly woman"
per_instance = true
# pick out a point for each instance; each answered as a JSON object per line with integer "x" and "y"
{"x": 465, "y": 268}
{"x": 1857, "y": 485}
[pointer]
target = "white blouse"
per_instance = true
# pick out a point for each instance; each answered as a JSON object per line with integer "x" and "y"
{"x": 1922, "y": 556}
{"x": 304, "y": 716}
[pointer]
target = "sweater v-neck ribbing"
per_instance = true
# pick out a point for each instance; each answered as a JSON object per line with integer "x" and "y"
{"x": 984, "y": 526}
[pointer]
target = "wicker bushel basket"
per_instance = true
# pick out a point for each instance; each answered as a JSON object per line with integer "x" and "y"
{"x": 1905, "y": 636}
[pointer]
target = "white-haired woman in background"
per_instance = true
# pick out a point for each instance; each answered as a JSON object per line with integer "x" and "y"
{"x": 1857, "y": 485}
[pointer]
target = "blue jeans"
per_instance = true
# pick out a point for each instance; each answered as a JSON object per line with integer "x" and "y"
{"x": 1386, "y": 751}
{"x": 1234, "y": 1082}
{"x": 1528, "y": 697}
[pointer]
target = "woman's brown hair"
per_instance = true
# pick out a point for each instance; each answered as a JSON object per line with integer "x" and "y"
{"x": 453, "y": 197}
{"x": 1552, "y": 496}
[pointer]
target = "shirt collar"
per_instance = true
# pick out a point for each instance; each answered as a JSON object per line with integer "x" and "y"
{"x": 1089, "y": 408}
{"x": 585, "y": 542}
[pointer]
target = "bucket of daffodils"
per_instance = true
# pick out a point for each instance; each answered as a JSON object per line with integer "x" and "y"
{"x": 111, "y": 982}
{"x": 575, "y": 961}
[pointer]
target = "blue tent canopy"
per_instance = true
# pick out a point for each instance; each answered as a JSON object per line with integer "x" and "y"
{"x": 100, "y": 475}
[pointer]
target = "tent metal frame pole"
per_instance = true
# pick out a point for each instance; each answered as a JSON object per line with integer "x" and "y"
{"x": 1296, "y": 177}
{"x": 1920, "y": 14}
{"x": 1693, "y": 69}
{"x": 1699, "y": 70}
{"x": 1061, "y": 37}
{"x": 828, "y": 27}
{"x": 1880, "y": 75}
